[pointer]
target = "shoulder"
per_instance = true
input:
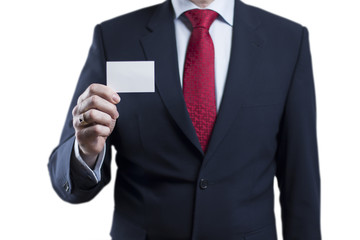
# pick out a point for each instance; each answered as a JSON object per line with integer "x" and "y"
{"x": 276, "y": 30}
{"x": 129, "y": 21}
{"x": 269, "y": 19}
{"x": 271, "y": 23}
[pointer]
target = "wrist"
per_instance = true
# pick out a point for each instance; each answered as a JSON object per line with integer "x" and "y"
{"x": 89, "y": 159}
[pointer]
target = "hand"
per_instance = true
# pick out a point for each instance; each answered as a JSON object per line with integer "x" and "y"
{"x": 97, "y": 110}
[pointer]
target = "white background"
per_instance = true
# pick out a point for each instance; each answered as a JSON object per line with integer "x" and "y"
{"x": 43, "y": 46}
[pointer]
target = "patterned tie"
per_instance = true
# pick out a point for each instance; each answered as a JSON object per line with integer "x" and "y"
{"x": 199, "y": 75}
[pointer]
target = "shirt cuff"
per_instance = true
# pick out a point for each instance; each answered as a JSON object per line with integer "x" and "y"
{"x": 96, "y": 173}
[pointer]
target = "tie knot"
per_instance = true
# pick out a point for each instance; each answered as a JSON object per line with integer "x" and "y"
{"x": 201, "y": 18}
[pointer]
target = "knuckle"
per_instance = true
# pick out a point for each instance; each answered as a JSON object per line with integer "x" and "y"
{"x": 74, "y": 110}
{"x": 91, "y": 114}
{"x": 94, "y": 100}
{"x": 80, "y": 107}
{"x": 97, "y": 129}
{"x": 92, "y": 88}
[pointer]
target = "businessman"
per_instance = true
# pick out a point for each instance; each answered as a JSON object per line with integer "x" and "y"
{"x": 233, "y": 107}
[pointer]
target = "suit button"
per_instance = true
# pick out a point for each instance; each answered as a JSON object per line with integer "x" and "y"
{"x": 66, "y": 187}
{"x": 204, "y": 184}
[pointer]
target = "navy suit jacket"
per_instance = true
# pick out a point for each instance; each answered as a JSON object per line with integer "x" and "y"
{"x": 166, "y": 187}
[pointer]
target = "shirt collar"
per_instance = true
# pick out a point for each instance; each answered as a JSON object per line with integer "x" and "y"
{"x": 225, "y": 8}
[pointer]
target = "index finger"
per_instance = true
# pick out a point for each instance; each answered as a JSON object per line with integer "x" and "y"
{"x": 102, "y": 91}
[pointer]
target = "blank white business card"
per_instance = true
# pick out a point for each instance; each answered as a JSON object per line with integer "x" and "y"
{"x": 131, "y": 76}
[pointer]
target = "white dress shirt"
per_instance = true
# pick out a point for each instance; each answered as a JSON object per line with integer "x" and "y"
{"x": 221, "y": 34}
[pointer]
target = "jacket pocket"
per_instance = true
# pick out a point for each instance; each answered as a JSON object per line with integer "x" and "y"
{"x": 267, "y": 232}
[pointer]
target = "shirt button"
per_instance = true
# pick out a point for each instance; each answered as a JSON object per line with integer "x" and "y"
{"x": 204, "y": 184}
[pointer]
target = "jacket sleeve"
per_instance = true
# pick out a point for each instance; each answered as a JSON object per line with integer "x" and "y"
{"x": 297, "y": 156}
{"x": 69, "y": 183}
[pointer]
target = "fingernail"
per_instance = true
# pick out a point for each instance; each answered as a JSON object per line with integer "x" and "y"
{"x": 116, "y": 98}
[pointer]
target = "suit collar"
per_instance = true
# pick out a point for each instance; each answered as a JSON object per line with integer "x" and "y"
{"x": 225, "y": 8}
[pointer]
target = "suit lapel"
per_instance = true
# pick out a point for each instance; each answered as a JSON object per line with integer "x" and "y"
{"x": 160, "y": 45}
{"x": 245, "y": 53}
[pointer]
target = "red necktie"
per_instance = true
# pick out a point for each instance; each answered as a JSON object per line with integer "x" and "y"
{"x": 199, "y": 75}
